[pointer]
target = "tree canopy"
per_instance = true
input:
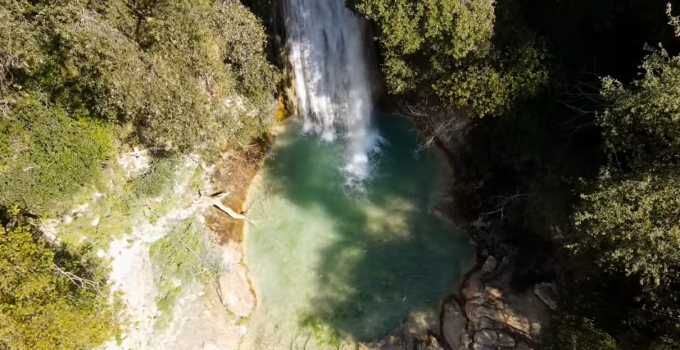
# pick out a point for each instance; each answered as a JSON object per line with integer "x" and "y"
{"x": 76, "y": 77}
{"x": 51, "y": 297}
{"x": 471, "y": 54}
{"x": 631, "y": 215}
{"x": 633, "y": 222}
{"x": 641, "y": 121}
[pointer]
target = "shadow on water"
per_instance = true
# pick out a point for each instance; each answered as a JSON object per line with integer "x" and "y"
{"x": 391, "y": 255}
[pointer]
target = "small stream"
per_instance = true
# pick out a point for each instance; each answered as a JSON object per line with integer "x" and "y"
{"x": 332, "y": 264}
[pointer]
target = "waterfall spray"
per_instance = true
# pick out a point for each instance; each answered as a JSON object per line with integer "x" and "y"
{"x": 329, "y": 55}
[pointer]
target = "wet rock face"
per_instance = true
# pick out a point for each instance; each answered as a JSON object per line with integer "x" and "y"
{"x": 491, "y": 316}
{"x": 486, "y": 337}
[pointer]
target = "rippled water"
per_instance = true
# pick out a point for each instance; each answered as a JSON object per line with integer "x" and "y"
{"x": 330, "y": 265}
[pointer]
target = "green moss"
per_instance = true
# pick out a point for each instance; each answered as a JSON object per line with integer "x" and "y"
{"x": 124, "y": 202}
{"x": 158, "y": 180}
{"x": 324, "y": 333}
{"x": 166, "y": 304}
{"x": 185, "y": 255}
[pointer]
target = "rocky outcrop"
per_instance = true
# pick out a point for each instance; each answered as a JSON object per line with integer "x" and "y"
{"x": 233, "y": 284}
{"x": 486, "y": 315}
{"x": 489, "y": 315}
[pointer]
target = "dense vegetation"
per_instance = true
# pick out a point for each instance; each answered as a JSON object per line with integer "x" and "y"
{"x": 80, "y": 82}
{"x": 450, "y": 48}
{"x": 579, "y": 169}
{"x": 51, "y": 297}
{"x": 77, "y": 75}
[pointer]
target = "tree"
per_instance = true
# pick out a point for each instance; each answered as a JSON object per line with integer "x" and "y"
{"x": 51, "y": 298}
{"x": 631, "y": 216}
{"x": 75, "y": 77}
{"x": 48, "y": 155}
{"x": 628, "y": 220}
{"x": 641, "y": 124}
{"x": 469, "y": 53}
{"x": 572, "y": 332}
{"x": 631, "y": 223}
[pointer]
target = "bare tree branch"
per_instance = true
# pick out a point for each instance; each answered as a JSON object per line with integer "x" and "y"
{"x": 78, "y": 281}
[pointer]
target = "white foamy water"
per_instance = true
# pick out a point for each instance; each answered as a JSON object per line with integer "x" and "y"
{"x": 329, "y": 52}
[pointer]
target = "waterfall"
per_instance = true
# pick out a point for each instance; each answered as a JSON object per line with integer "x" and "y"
{"x": 329, "y": 54}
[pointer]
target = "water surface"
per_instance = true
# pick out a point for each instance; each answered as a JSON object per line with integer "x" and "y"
{"x": 332, "y": 265}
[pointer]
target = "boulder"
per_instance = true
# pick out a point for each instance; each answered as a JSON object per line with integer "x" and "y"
{"x": 547, "y": 292}
{"x": 498, "y": 316}
{"x": 453, "y": 324}
{"x": 489, "y": 265}
{"x": 504, "y": 339}
{"x": 486, "y": 337}
{"x": 522, "y": 346}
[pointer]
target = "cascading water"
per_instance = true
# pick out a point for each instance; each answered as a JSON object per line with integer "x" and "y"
{"x": 331, "y": 270}
{"x": 329, "y": 54}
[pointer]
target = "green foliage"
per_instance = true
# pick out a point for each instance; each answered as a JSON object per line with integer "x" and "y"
{"x": 459, "y": 50}
{"x": 572, "y": 332}
{"x": 184, "y": 257}
{"x": 633, "y": 223}
{"x": 178, "y": 76}
{"x": 489, "y": 86}
{"x": 451, "y": 28}
{"x": 16, "y": 54}
{"x": 53, "y": 298}
{"x": 322, "y": 332}
{"x": 49, "y": 155}
{"x": 244, "y": 52}
{"x": 629, "y": 218}
{"x": 158, "y": 180}
{"x": 642, "y": 121}
{"x": 160, "y": 65}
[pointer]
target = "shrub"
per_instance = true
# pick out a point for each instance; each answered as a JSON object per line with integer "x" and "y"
{"x": 51, "y": 298}
{"x": 632, "y": 224}
{"x": 51, "y": 155}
